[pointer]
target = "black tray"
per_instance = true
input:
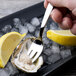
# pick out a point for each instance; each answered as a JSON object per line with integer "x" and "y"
{"x": 28, "y": 13}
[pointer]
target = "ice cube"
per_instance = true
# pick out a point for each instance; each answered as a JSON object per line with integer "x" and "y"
{"x": 28, "y": 35}
{"x": 55, "y": 48}
{"x": 23, "y": 29}
{"x": 62, "y": 47}
{"x": 17, "y": 25}
{"x": 45, "y": 41}
{"x": 17, "y": 22}
{"x": 59, "y": 28}
{"x": 31, "y": 28}
{"x": 7, "y": 28}
{"x": 45, "y": 47}
{"x": 35, "y": 21}
{"x": 48, "y": 46}
{"x": 45, "y": 29}
{"x": 23, "y": 20}
{"x": 65, "y": 53}
{"x": 44, "y": 32}
{"x": 47, "y": 51}
{"x": 66, "y": 47}
{"x": 14, "y": 29}
{"x": 1, "y": 34}
{"x": 53, "y": 26}
{"x": 44, "y": 57}
{"x": 54, "y": 58}
{"x": 3, "y": 72}
{"x": 26, "y": 24}
{"x": 40, "y": 19}
{"x": 37, "y": 33}
{"x": 10, "y": 69}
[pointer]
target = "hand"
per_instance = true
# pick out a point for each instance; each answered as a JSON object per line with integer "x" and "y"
{"x": 64, "y": 13}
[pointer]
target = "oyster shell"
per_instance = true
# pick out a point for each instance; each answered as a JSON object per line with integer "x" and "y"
{"x": 22, "y": 61}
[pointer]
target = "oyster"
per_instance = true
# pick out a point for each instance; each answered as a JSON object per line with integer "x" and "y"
{"x": 22, "y": 61}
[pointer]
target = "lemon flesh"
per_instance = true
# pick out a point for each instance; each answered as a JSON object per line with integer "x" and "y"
{"x": 8, "y": 43}
{"x": 63, "y": 37}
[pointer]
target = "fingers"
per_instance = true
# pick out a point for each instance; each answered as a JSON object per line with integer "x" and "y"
{"x": 74, "y": 12}
{"x": 65, "y": 20}
{"x": 73, "y": 29}
{"x": 66, "y": 23}
{"x": 62, "y": 18}
{"x": 56, "y": 15}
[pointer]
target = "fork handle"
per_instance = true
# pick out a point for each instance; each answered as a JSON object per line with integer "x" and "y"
{"x": 45, "y": 18}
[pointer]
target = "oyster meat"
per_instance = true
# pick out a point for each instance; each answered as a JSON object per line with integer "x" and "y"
{"x": 22, "y": 61}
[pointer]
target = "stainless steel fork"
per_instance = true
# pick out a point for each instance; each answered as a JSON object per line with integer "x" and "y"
{"x": 37, "y": 46}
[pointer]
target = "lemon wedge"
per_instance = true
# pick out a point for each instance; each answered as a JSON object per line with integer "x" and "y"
{"x": 63, "y": 37}
{"x": 8, "y": 43}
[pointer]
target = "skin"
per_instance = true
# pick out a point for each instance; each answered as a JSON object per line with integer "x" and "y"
{"x": 64, "y": 13}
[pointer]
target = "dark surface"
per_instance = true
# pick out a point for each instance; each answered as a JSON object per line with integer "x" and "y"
{"x": 53, "y": 69}
{"x": 67, "y": 70}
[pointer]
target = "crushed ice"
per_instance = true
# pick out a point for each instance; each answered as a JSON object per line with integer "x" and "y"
{"x": 51, "y": 53}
